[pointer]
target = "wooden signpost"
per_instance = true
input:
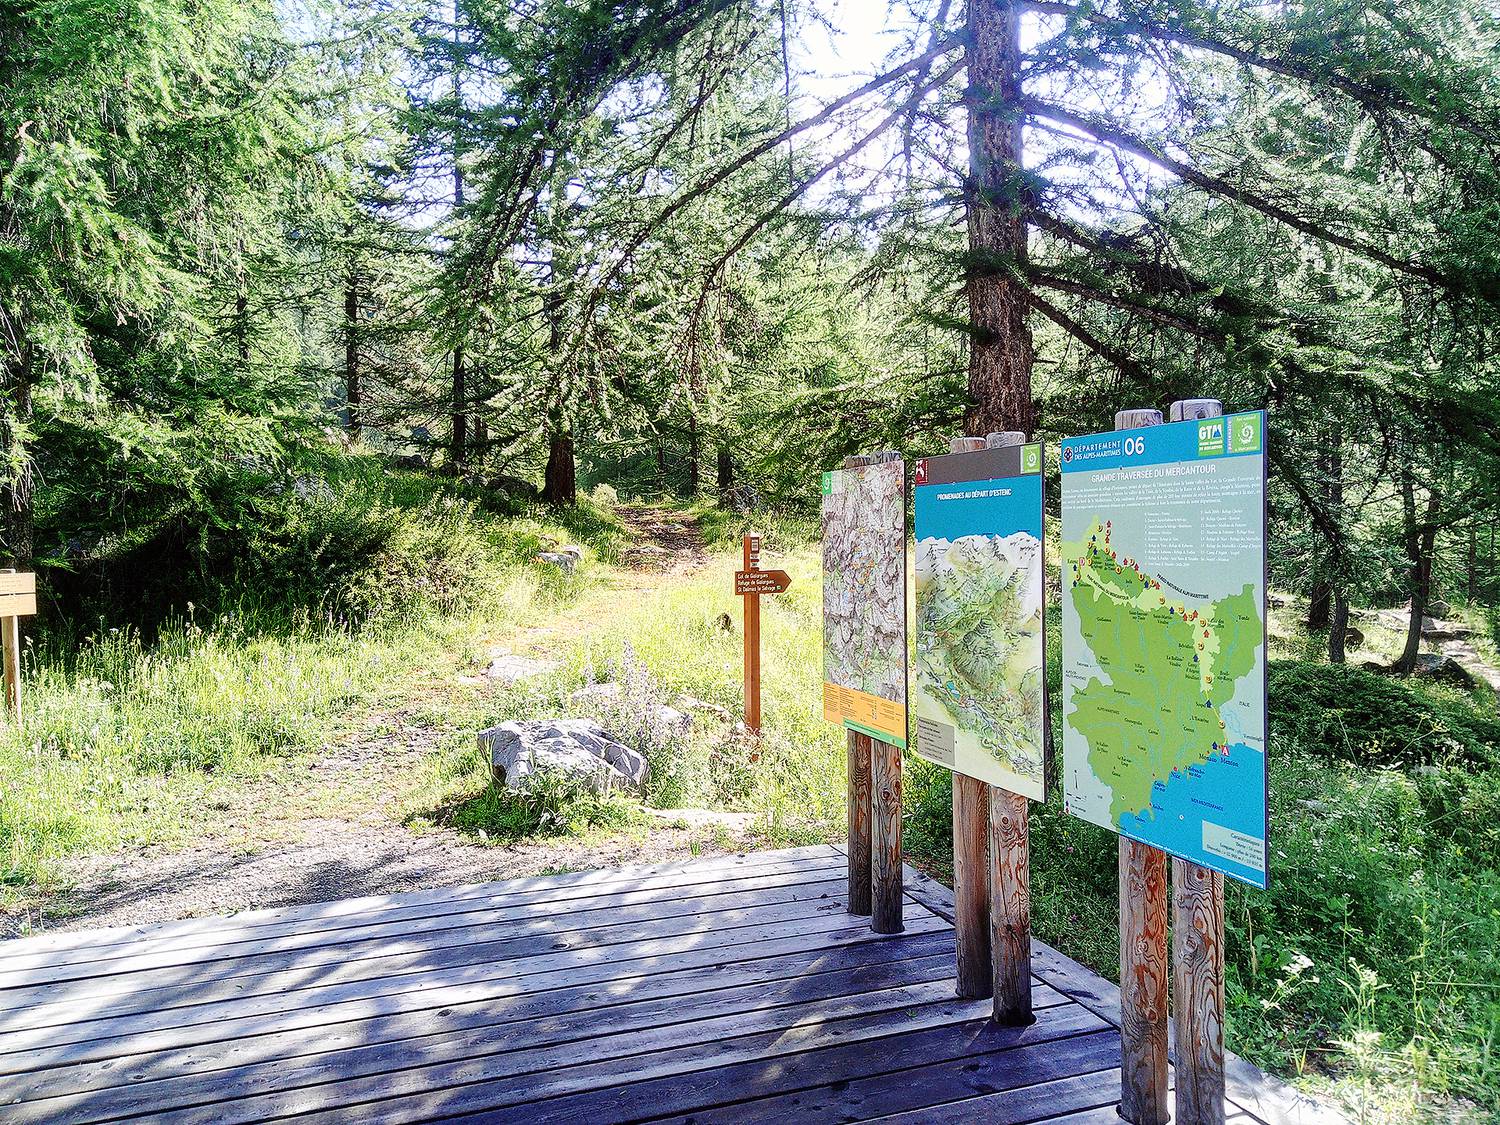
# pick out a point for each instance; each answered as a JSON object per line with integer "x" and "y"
{"x": 1205, "y": 473}
{"x": 750, "y": 583}
{"x": 871, "y": 527}
{"x": 1143, "y": 951}
{"x": 991, "y": 862}
{"x": 17, "y": 600}
{"x": 1198, "y": 949}
{"x": 971, "y": 882}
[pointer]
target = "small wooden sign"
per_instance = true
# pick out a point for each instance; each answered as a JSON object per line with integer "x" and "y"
{"x": 17, "y": 600}
{"x": 750, "y": 583}
{"x": 17, "y": 594}
{"x": 761, "y": 581}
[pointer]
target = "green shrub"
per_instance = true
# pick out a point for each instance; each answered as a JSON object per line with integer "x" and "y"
{"x": 1347, "y": 714}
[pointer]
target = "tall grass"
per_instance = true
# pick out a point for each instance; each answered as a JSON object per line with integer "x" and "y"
{"x": 125, "y": 735}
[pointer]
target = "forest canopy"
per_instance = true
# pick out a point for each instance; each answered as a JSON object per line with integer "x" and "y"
{"x": 542, "y": 245}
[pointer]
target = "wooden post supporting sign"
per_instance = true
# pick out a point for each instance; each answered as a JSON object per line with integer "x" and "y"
{"x": 874, "y": 808}
{"x": 750, "y": 583}
{"x": 860, "y": 798}
{"x": 1198, "y": 950}
{"x": 971, "y": 876}
{"x": 1143, "y": 952}
{"x": 1010, "y": 879}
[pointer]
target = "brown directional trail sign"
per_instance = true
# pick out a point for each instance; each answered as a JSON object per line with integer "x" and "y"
{"x": 761, "y": 581}
{"x": 750, "y": 583}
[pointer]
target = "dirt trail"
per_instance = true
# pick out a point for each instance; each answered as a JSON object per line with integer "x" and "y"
{"x": 667, "y": 541}
{"x": 330, "y": 825}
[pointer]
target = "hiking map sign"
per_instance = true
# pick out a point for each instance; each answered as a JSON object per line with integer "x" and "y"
{"x": 1164, "y": 642}
{"x": 864, "y": 599}
{"x": 978, "y": 678}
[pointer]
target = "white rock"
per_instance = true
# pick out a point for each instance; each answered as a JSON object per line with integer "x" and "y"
{"x": 577, "y": 748}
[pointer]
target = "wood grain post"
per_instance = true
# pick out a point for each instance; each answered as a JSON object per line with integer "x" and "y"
{"x": 1010, "y": 907}
{"x": 1010, "y": 878}
{"x": 885, "y": 815}
{"x": 1143, "y": 952}
{"x": 971, "y": 886}
{"x": 860, "y": 797}
{"x": 861, "y": 805}
{"x": 1198, "y": 949}
{"x": 1198, "y": 992}
{"x": 971, "y": 861}
{"x": 1143, "y": 984}
{"x": 752, "y": 640}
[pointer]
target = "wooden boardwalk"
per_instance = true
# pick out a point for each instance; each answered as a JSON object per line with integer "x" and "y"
{"x": 728, "y": 990}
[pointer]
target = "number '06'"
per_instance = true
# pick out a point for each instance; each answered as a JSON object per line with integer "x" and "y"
{"x": 1134, "y": 446}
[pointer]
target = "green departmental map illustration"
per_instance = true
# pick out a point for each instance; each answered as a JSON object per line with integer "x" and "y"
{"x": 1164, "y": 649}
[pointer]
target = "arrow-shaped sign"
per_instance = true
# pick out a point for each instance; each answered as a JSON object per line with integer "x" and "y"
{"x": 761, "y": 581}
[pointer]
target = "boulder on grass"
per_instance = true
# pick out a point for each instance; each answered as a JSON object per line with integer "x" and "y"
{"x": 580, "y": 749}
{"x": 566, "y": 559}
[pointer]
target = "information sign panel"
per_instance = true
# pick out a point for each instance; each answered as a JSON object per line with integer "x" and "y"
{"x": 1163, "y": 643}
{"x": 864, "y": 599}
{"x": 978, "y": 678}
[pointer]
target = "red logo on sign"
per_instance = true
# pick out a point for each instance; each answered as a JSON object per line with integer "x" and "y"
{"x": 921, "y": 476}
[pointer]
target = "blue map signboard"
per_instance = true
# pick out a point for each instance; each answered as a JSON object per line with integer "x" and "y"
{"x": 977, "y": 682}
{"x": 1164, "y": 626}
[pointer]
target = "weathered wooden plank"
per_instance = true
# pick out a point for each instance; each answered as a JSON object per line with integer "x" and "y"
{"x": 1143, "y": 983}
{"x": 619, "y": 967}
{"x": 971, "y": 883}
{"x": 1041, "y": 1102}
{"x": 1198, "y": 992}
{"x": 821, "y": 883}
{"x": 148, "y": 1057}
{"x": 1029, "y": 1076}
{"x": 520, "y": 1078}
{"x": 676, "y": 873}
{"x": 859, "y": 822}
{"x": 539, "y": 936}
{"x": 1010, "y": 906}
{"x": 445, "y": 1002}
{"x": 885, "y": 837}
{"x": 16, "y": 605}
{"x": 13, "y": 582}
{"x": 819, "y": 1061}
{"x": 702, "y": 1073}
{"x": 593, "y": 1035}
{"x": 229, "y": 932}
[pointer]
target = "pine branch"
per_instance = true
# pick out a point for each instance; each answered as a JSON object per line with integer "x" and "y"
{"x": 1107, "y": 133}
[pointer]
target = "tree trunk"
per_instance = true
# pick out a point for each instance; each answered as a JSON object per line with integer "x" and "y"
{"x": 560, "y": 485}
{"x": 695, "y": 454}
{"x": 1338, "y": 630}
{"x": 1000, "y": 345}
{"x": 1419, "y": 541}
{"x": 458, "y": 443}
{"x": 479, "y": 439}
{"x": 458, "y": 447}
{"x": 726, "y": 473}
{"x": 352, "y": 388}
{"x": 1471, "y": 582}
{"x": 1319, "y": 605}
